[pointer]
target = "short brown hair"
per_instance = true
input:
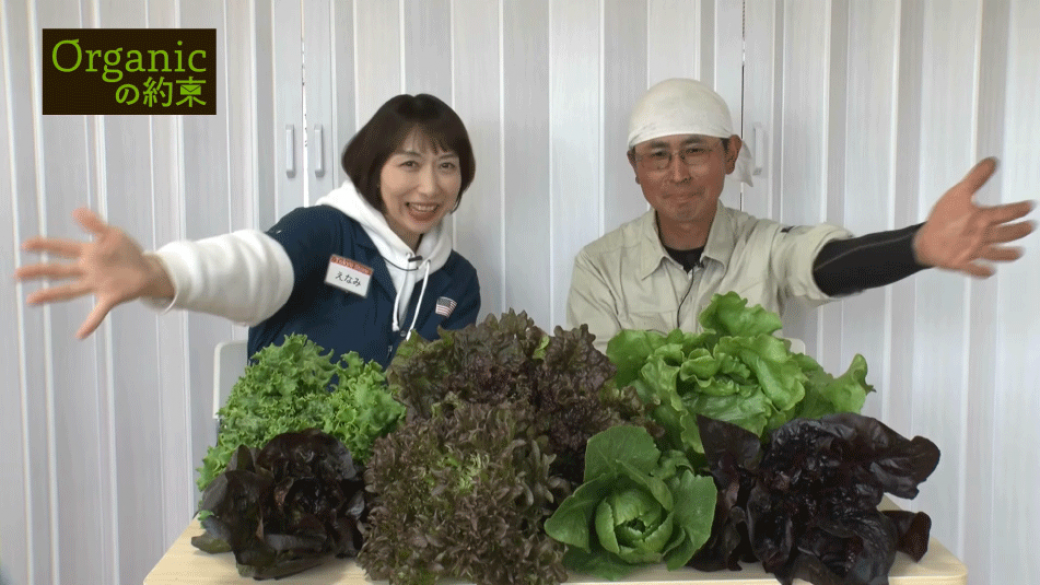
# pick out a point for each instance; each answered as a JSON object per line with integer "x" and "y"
{"x": 372, "y": 146}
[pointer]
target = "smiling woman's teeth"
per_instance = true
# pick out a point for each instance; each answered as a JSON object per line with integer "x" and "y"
{"x": 422, "y": 208}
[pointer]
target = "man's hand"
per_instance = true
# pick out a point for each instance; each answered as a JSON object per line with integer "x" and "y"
{"x": 960, "y": 235}
{"x": 112, "y": 267}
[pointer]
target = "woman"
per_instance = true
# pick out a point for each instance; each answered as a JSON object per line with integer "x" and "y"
{"x": 361, "y": 270}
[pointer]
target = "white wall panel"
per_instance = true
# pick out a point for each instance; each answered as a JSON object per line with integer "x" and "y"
{"x": 802, "y": 163}
{"x": 525, "y": 143}
{"x": 428, "y": 50}
{"x": 319, "y": 60}
{"x": 428, "y": 46}
{"x": 830, "y": 327}
{"x": 674, "y": 39}
{"x": 761, "y": 113}
{"x": 171, "y": 376}
{"x": 268, "y": 126}
{"x": 977, "y": 500}
{"x": 131, "y": 395}
{"x": 624, "y": 80}
{"x": 940, "y": 355}
{"x": 344, "y": 88}
{"x": 377, "y": 55}
{"x": 575, "y": 155}
{"x": 204, "y": 159}
{"x": 77, "y": 445}
{"x": 721, "y": 62}
{"x": 290, "y": 163}
{"x": 239, "y": 95}
{"x": 1015, "y": 513}
{"x": 479, "y": 222}
{"x": 868, "y": 174}
{"x": 25, "y": 513}
{"x": 898, "y": 408}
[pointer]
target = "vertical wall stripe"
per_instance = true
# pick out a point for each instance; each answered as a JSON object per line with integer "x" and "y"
{"x": 553, "y": 194}
{"x": 708, "y": 33}
{"x": 454, "y": 84}
{"x": 908, "y": 145}
{"x": 575, "y": 152}
{"x": 378, "y": 30}
{"x": 357, "y": 68}
{"x": 979, "y": 504}
{"x": 21, "y": 554}
{"x": 172, "y": 357}
{"x": 865, "y": 176}
{"x": 675, "y": 47}
{"x": 758, "y": 103}
{"x": 624, "y": 72}
{"x": 47, "y": 373}
{"x": 525, "y": 175}
{"x": 503, "y": 280}
{"x": 946, "y": 135}
{"x": 1016, "y": 516}
{"x": 476, "y": 79}
{"x": 803, "y": 169}
{"x": 401, "y": 35}
{"x": 834, "y": 194}
{"x": 600, "y": 111}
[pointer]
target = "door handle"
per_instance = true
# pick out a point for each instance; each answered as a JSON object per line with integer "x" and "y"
{"x": 319, "y": 154}
{"x": 290, "y": 154}
{"x": 758, "y": 152}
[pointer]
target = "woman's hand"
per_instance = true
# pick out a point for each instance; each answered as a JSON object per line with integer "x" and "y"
{"x": 112, "y": 267}
{"x": 960, "y": 235}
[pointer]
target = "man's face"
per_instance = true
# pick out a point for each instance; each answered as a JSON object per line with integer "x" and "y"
{"x": 682, "y": 175}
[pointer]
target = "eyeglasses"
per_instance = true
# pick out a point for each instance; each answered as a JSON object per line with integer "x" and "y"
{"x": 659, "y": 159}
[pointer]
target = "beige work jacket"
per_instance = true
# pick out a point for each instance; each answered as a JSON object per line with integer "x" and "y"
{"x": 626, "y": 279}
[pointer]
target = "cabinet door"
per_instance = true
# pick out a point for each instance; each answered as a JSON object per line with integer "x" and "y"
{"x": 286, "y": 90}
{"x": 319, "y": 113}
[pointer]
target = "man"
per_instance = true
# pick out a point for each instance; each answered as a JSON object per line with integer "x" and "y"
{"x": 660, "y": 270}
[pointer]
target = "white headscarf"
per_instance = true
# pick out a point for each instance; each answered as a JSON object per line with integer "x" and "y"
{"x": 685, "y": 106}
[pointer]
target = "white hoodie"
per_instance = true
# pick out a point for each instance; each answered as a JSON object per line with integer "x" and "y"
{"x": 406, "y": 267}
{"x": 247, "y": 276}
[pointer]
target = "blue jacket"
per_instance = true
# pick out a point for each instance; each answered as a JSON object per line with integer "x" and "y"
{"x": 342, "y": 321}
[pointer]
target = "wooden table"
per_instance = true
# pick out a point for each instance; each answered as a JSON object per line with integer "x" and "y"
{"x": 184, "y": 564}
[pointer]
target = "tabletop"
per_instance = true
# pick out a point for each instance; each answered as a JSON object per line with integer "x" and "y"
{"x": 184, "y": 564}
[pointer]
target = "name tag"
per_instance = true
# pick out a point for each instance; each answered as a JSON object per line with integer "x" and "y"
{"x": 345, "y": 274}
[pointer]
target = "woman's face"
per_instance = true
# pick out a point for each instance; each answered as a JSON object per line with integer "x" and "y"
{"x": 419, "y": 185}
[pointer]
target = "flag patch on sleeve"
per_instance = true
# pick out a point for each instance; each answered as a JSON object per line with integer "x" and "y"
{"x": 445, "y": 306}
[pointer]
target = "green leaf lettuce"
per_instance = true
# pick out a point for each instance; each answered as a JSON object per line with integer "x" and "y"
{"x": 736, "y": 370}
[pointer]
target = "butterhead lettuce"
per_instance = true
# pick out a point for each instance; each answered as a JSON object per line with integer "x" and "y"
{"x": 636, "y": 507}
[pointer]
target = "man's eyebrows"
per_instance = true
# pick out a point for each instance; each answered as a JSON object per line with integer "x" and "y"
{"x": 686, "y": 142}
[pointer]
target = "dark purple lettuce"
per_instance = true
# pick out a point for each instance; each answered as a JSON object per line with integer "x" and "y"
{"x": 289, "y": 506}
{"x": 805, "y": 505}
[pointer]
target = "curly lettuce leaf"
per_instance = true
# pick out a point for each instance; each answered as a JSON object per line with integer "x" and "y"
{"x": 296, "y": 386}
{"x": 463, "y": 494}
{"x": 729, "y": 314}
{"x": 736, "y": 370}
{"x": 562, "y": 377}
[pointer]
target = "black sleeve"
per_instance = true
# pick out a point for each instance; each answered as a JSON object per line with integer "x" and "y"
{"x": 850, "y": 266}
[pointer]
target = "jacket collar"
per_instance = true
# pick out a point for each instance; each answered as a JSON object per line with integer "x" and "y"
{"x": 719, "y": 247}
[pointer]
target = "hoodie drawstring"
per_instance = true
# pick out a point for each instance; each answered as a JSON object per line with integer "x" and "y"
{"x": 415, "y": 316}
{"x": 422, "y": 293}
